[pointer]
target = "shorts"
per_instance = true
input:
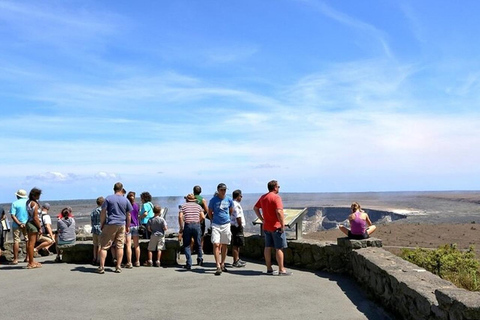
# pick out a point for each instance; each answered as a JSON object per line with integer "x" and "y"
{"x": 358, "y": 236}
{"x": 16, "y": 233}
{"x": 96, "y": 239}
{"x": 112, "y": 233}
{"x": 31, "y": 227}
{"x": 156, "y": 243}
{"x": 133, "y": 231}
{"x": 43, "y": 238}
{"x": 65, "y": 244}
{"x": 275, "y": 239}
{"x": 221, "y": 233}
{"x": 238, "y": 239}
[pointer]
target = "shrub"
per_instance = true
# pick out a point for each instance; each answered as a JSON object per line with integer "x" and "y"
{"x": 449, "y": 263}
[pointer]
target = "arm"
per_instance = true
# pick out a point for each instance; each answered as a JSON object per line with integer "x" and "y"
{"x": 103, "y": 217}
{"x": 210, "y": 213}
{"x": 180, "y": 221}
{"x": 48, "y": 229}
{"x": 13, "y": 214}
{"x": 127, "y": 224}
{"x": 204, "y": 206}
{"x": 367, "y": 218}
{"x": 281, "y": 218}
{"x": 257, "y": 212}
{"x": 145, "y": 213}
{"x": 202, "y": 215}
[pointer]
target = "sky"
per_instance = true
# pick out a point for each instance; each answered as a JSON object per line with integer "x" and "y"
{"x": 323, "y": 96}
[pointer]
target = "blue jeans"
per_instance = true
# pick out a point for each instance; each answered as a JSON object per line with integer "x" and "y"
{"x": 192, "y": 230}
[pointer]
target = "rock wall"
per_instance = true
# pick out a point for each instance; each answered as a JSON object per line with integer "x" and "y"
{"x": 405, "y": 289}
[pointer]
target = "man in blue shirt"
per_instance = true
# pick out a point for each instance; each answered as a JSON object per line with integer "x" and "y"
{"x": 114, "y": 222}
{"x": 19, "y": 215}
{"x": 220, "y": 208}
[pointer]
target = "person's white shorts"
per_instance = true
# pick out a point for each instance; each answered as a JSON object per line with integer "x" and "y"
{"x": 221, "y": 233}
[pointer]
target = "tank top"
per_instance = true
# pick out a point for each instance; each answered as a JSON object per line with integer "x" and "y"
{"x": 31, "y": 210}
{"x": 358, "y": 225}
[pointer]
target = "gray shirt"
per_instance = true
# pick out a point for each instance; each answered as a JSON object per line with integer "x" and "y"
{"x": 66, "y": 229}
{"x": 157, "y": 225}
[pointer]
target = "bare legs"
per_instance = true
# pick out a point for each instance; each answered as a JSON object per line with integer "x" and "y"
{"x": 220, "y": 253}
{"x": 279, "y": 257}
{"x": 32, "y": 238}
{"x": 128, "y": 248}
{"x": 136, "y": 247}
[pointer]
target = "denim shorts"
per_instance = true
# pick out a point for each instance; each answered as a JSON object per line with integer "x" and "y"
{"x": 133, "y": 231}
{"x": 275, "y": 239}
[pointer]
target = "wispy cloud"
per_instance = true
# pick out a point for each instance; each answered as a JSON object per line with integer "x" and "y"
{"x": 358, "y": 25}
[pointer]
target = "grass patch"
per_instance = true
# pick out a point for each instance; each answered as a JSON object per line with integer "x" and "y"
{"x": 449, "y": 263}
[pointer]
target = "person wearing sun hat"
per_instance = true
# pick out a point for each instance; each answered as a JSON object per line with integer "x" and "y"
{"x": 19, "y": 214}
{"x": 189, "y": 219}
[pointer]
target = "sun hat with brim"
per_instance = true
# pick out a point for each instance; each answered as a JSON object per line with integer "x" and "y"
{"x": 21, "y": 193}
{"x": 190, "y": 197}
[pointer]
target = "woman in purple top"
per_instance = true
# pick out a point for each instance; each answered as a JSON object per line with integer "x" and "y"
{"x": 133, "y": 234}
{"x": 360, "y": 225}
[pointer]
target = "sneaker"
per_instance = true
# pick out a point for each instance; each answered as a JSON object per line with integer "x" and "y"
{"x": 157, "y": 263}
{"x": 270, "y": 272}
{"x": 136, "y": 264}
{"x": 224, "y": 269}
{"x": 285, "y": 273}
{"x": 58, "y": 259}
{"x": 118, "y": 270}
{"x": 129, "y": 265}
{"x": 101, "y": 270}
{"x": 218, "y": 272}
{"x": 243, "y": 263}
{"x": 238, "y": 264}
{"x": 188, "y": 267}
{"x": 199, "y": 262}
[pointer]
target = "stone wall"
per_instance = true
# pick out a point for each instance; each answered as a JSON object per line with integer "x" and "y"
{"x": 406, "y": 290}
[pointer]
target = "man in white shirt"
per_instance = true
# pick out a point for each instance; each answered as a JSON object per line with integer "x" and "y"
{"x": 46, "y": 239}
{"x": 237, "y": 225}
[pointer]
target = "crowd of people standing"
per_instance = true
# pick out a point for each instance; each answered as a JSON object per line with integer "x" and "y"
{"x": 118, "y": 222}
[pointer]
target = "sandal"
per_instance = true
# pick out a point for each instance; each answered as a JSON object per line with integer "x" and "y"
{"x": 34, "y": 266}
{"x": 129, "y": 265}
{"x": 137, "y": 264}
{"x": 148, "y": 263}
{"x": 101, "y": 270}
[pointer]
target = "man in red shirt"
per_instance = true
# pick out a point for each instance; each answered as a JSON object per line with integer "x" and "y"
{"x": 273, "y": 227}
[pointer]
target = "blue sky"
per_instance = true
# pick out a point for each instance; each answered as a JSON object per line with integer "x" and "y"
{"x": 324, "y": 96}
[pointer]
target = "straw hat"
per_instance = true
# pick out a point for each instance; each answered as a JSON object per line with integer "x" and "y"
{"x": 190, "y": 197}
{"x": 21, "y": 193}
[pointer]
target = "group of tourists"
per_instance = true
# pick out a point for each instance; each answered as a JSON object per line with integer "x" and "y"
{"x": 32, "y": 220}
{"x": 118, "y": 222}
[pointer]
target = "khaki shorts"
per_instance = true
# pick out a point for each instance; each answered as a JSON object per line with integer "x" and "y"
{"x": 221, "y": 233}
{"x": 96, "y": 239}
{"x": 156, "y": 243}
{"x": 112, "y": 233}
{"x": 16, "y": 234}
{"x": 43, "y": 238}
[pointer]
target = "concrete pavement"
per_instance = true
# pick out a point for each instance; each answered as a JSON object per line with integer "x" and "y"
{"x": 75, "y": 291}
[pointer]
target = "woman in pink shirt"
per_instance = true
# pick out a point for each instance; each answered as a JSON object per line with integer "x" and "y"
{"x": 360, "y": 225}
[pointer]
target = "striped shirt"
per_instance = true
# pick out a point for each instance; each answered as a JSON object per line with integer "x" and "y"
{"x": 191, "y": 212}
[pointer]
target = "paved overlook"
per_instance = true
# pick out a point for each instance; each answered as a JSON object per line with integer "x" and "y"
{"x": 75, "y": 291}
